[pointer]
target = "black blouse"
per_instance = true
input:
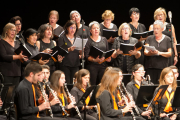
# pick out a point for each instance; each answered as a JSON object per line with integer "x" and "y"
{"x": 85, "y": 34}
{"x": 141, "y": 28}
{"x": 72, "y": 58}
{"x": 8, "y": 66}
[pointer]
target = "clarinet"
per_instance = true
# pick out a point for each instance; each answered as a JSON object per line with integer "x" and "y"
{"x": 43, "y": 94}
{"x": 130, "y": 98}
{"x": 126, "y": 101}
{"x": 69, "y": 95}
{"x": 60, "y": 104}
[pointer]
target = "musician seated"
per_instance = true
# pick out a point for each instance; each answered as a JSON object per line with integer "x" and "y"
{"x": 25, "y": 99}
{"x": 57, "y": 84}
{"x": 107, "y": 99}
{"x": 78, "y": 90}
{"x": 136, "y": 82}
{"x": 167, "y": 78}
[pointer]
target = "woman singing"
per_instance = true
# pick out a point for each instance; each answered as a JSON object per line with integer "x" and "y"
{"x": 96, "y": 69}
{"x": 79, "y": 89}
{"x": 121, "y": 61}
{"x": 160, "y": 14}
{"x": 108, "y": 17}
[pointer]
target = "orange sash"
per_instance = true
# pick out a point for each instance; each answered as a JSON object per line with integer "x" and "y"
{"x": 35, "y": 99}
{"x": 137, "y": 86}
{"x": 168, "y": 107}
{"x": 114, "y": 102}
{"x": 87, "y": 99}
{"x": 63, "y": 101}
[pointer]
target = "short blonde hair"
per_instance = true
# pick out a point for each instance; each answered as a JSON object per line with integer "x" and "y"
{"x": 7, "y": 27}
{"x": 160, "y": 10}
{"x": 54, "y": 12}
{"x": 108, "y": 13}
{"x": 121, "y": 27}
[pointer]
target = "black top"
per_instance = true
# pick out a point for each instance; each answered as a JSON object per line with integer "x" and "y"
{"x": 72, "y": 58}
{"x": 141, "y": 28}
{"x": 8, "y": 66}
{"x": 44, "y": 46}
{"x": 121, "y": 60}
{"x": 107, "y": 106}
{"x": 168, "y": 30}
{"x": 58, "y": 30}
{"x": 24, "y": 100}
{"x": 102, "y": 45}
{"x": 158, "y": 62}
{"x": 86, "y": 32}
{"x": 103, "y": 27}
{"x": 20, "y": 37}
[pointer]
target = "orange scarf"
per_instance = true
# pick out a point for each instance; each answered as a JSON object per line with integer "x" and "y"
{"x": 35, "y": 99}
{"x": 137, "y": 86}
{"x": 168, "y": 107}
{"x": 87, "y": 99}
{"x": 114, "y": 102}
{"x": 61, "y": 96}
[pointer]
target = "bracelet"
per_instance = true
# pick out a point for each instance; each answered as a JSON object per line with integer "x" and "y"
{"x": 93, "y": 60}
{"x": 122, "y": 111}
{"x": 175, "y": 55}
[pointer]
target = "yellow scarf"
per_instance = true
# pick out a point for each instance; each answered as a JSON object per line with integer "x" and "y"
{"x": 35, "y": 99}
{"x": 114, "y": 102}
{"x": 87, "y": 99}
{"x": 168, "y": 107}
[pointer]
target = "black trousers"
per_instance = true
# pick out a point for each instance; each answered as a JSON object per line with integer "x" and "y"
{"x": 154, "y": 74}
{"x": 46, "y": 118}
{"x": 69, "y": 73}
{"x": 96, "y": 73}
{"x": 92, "y": 116}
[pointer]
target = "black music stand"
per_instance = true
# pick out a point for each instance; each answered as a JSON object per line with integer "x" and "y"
{"x": 93, "y": 97}
{"x": 82, "y": 100}
{"x": 7, "y": 96}
{"x": 157, "y": 97}
{"x": 145, "y": 94}
{"x": 176, "y": 98}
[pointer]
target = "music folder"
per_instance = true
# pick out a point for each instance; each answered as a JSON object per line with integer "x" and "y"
{"x": 145, "y": 94}
{"x": 58, "y": 51}
{"x": 93, "y": 97}
{"x": 110, "y": 33}
{"x": 25, "y": 51}
{"x": 44, "y": 56}
{"x": 143, "y": 34}
{"x": 158, "y": 95}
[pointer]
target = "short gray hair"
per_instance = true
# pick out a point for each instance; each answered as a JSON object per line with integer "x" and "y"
{"x": 72, "y": 12}
{"x": 158, "y": 22}
{"x": 92, "y": 23}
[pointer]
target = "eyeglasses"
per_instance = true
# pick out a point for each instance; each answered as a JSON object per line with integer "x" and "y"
{"x": 72, "y": 28}
{"x": 135, "y": 14}
{"x": 13, "y": 30}
{"x": 18, "y": 24}
{"x": 160, "y": 15}
{"x": 140, "y": 71}
{"x": 125, "y": 28}
{"x": 53, "y": 18}
{"x": 107, "y": 19}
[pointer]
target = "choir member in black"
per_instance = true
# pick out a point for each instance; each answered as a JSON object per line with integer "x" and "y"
{"x": 158, "y": 59}
{"x": 10, "y": 64}
{"x": 167, "y": 78}
{"x": 71, "y": 62}
{"x": 137, "y": 27}
{"x": 106, "y": 97}
{"x": 53, "y": 18}
{"x": 160, "y": 14}
{"x": 96, "y": 69}
{"x": 57, "y": 84}
{"x": 121, "y": 61}
{"x": 17, "y": 21}
{"x": 45, "y": 44}
{"x": 75, "y": 15}
{"x": 79, "y": 89}
{"x": 25, "y": 97}
{"x": 108, "y": 17}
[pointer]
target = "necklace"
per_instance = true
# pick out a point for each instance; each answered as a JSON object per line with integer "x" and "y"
{"x": 70, "y": 38}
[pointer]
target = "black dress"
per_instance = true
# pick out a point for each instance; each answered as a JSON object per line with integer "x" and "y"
{"x": 141, "y": 28}
{"x": 96, "y": 70}
{"x": 83, "y": 32}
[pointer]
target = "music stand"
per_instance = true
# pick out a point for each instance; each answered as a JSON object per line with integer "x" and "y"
{"x": 82, "y": 100}
{"x": 157, "y": 97}
{"x": 145, "y": 94}
{"x": 176, "y": 98}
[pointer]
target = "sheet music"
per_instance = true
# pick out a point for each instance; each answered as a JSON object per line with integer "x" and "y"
{"x": 78, "y": 43}
{"x": 152, "y": 48}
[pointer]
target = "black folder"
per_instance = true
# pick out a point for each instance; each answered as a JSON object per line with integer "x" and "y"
{"x": 95, "y": 52}
{"x": 127, "y": 47}
{"x": 58, "y": 51}
{"x": 110, "y": 33}
{"x": 45, "y": 56}
{"x": 93, "y": 97}
{"x": 25, "y": 51}
{"x": 143, "y": 34}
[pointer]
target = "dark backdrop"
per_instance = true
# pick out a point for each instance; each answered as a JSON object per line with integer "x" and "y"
{"x": 35, "y": 12}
